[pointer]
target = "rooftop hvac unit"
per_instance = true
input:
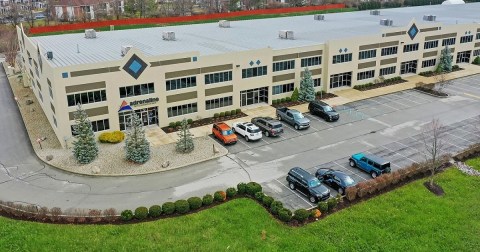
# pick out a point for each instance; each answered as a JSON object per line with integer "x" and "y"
{"x": 49, "y": 55}
{"x": 429, "y": 18}
{"x": 90, "y": 34}
{"x": 168, "y": 35}
{"x": 386, "y": 22}
{"x": 375, "y": 12}
{"x": 319, "y": 17}
{"x": 224, "y": 24}
{"x": 125, "y": 49}
{"x": 285, "y": 34}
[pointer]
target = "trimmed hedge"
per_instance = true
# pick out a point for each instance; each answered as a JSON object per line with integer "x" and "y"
{"x": 301, "y": 215}
{"x": 141, "y": 213}
{"x": 126, "y": 215}
{"x": 331, "y": 203}
{"x": 315, "y": 213}
{"x": 194, "y": 203}
{"x": 182, "y": 206}
{"x": 207, "y": 200}
{"x": 219, "y": 196}
{"x": 276, "y": 206}
{"x": 323, "y": 206}
{"x": 189, "y": 121}
{"x": 267, "y": 201}
{"x": 231, "y": 192}
{"x": 259, "y": 196}
{"x": 111, "y": 137}
{"x": 252, "y": 188}
{"x": 241, "y": 188}
{"x": 155, "y": 211}
{"x": 285, "y": 215}
{"x": 168, "y": 208}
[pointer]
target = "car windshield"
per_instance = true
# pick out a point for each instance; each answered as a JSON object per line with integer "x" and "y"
{"x": 298, "y": 116}
{"x": 276, "y": 126}
{"x": 328, "y": 108}
{"x": 314, "y": 182}
{"x": 255, "y": 130}
{"x": 348, "y": 181}
{"x": 227, "y": 132}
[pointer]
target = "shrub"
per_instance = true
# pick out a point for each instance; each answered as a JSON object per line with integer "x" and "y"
{"x": 178, "y": 123}
{"x": 455, "y": 67}
{"x": 238, "y": 110}
{"x": 332, "y": 203}
{"x": 252, "y": 188}
{"x": 315, "y": 213}
{"x": 301, "y": 215}
{"x": 126, "y": 215}
{"x": 295, "y": 95}
{"x": 233, "y": 112}
{"x": 182, "y": 206}
{"x": 323, "y": 206}
{"x": 141, "y": 213}
{"x": 267, "y": 201}
{"x": 168, "y": 208}
{"x": 395, "y": 177}
{"x": 285, "y": 215}
{"x": 275, "y": 207}
{"x": 274, "y": 102}
{"x": 216, "y": 115}
{"x": 207, "y": 200}
{"x": 319, "y": 93}
{"x": 222, "y": 114}
{"x": 110, "y": 214}
{"x": 228, "y": 113}
{"x": 476, "y": 61}
{"x": 111, "y": 137}
{"x": 241, "y": 188}
{"x": 288, "y": 99}
{"x": 194, "y": 203}
{"x": 282, "y": 100}
{"x": 219, "y": 196}
{"x": 259, "y": 196}
{"x": 231, "y": 192}
{"x": 351, "y": 193}
{"x": 189, "y": 121}
{"x": 155, "y": 211}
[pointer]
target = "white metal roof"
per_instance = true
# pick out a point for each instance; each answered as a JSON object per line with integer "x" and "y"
{"x": 209, "y": 39}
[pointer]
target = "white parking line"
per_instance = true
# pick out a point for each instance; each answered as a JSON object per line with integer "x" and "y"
{"x": 415, "y": 149}
{"x": 396, "y": 101}
{"x": 296, "y": 131}
{"x": 238, "y": 141}
{"x": 464, "y": 87}
{"x": 317, "y": 119}
{"x": 294, "y": 192}
{"x": 401, "y": 97}
{"x": 335, "y": 162}
{"x": 459, "y": 88}
{"x": 419, "y": 95}
{"x": 396, "y": 152}
{"x": 264, "y": 140}
{"x": 386, "y": 105}
{"x": 468, "y": 131}
{"x": 459, "y": 137}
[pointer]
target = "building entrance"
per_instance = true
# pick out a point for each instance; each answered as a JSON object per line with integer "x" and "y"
{"x": 254, "y": 96}
{"x": 463, "y": 57}
{"x": 149, "y": 116}
{"x": 408, "y": 67}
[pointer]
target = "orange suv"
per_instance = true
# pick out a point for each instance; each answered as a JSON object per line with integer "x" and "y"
{"x": 224, "y": 133}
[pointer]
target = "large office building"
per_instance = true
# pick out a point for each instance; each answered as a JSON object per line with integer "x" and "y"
{"x": 166, "y": 74}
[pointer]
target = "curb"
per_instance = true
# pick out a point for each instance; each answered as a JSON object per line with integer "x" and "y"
{"x": 427, "y": 93}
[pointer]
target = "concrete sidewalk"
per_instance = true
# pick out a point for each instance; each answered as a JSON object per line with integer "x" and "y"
{"x": 158, "y": 137}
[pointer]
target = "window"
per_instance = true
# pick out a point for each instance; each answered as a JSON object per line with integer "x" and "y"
{"x": 141, "y": 89}
{"x": 50, "y": 88}
{"x": 430, "y": 44}
{"x": 254, "y": 72}
{"x": 40, "y": 95}
{"x": 466, "y": 39}
{"x": 476, "y": 52}
{"x": 87, "y": 97}
{"x": 342, "y": 58}
{"x": 283, "y": 65}
{"x": 218, "y": 77}
{"x": 280, "y": 89}
{"x": 387, "y": 70}
{"x": 99, "y": 125}
{"x": 54, "y": 121}
{"x": 463, "y": 57}
{"x": 313, "y": 61}
{"x": 410, "y": 47}
{"x": 317, "y": 82}
{"x": 367, "y": 54}
{"x": 181, "y": 83}
{"x": 182, "y": 109}
{"x": 365, "y": 75}
{"x": 449, "y": 41}
{"x": 340, "y": 80}
{"x": 429, "y": 63}
{"x": 218, "y": 102}
{"x": 389, "y": 50}
{"x": 478, "y": 35}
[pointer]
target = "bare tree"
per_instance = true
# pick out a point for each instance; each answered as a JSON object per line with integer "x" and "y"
{"x": 433, "y": 135}
{"x": 14, "y": 14}
{"x": 181, "y": 7}
{"x": 116, "y": 6}
{"x": 8, "y": 44}
{"x": 29, "y": 14}
{"x": 441, "y": 81}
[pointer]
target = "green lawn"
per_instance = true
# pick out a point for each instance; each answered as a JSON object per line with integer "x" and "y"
{"x": 410, "y": 218}
{"x": 475, "y": 163}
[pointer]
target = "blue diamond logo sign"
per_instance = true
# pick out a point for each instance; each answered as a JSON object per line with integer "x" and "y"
{"x": 135, "y": 66}
{"x": 345, "y": 50}
{"x": 340, "y": 51}
{"x": 413, "y": 31}
{"x": 251, "y": 63}
{"x": 258, "y": 62}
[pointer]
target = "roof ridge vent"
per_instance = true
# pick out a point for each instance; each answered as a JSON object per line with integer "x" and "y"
{"x": 125, "y": 49}
{"x": 224, "y": 24}
{"x": 168, "y": 35}
{"x": 319, "y": 17}
{"x": 386, "y": 22}
{"x": 375, "y": 12}
{"x": 432, "y": 18}
{"x": 90, "y": 34}
{"x": 285, "y": 34}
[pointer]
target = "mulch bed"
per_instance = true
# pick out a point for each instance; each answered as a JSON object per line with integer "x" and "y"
{"x": 435, "y": 189}
{"x": 325, "y": 96}
{"x": 431, "y": 91}
{"x": 206, "y": 121}
{"x": 380, "y": 85}
{"x": 432, "y": 73}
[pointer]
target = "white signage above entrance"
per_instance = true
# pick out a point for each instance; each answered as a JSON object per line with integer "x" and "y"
{"x": 146, "y": 101}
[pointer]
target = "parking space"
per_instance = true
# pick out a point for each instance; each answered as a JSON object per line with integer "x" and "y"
{"x": 465, "y": 86}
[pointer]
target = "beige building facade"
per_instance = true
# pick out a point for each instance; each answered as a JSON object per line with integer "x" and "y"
{"x": 169, "y": 87}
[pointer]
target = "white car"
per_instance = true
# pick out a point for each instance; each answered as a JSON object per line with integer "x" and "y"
{"x": 248, "y": 130}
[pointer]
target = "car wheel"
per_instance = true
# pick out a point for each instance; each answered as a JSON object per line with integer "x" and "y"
{"x": 296, "y": 126}
{"x": 340, "y": 191}
{"x": 312, "y": 199}
{"x": 352, "y": 163}
{"x": 267, "y": 134}
{"x": 374, "y": 174}
{"x": 247, "y": 139}
{"x": 291, "y": 185}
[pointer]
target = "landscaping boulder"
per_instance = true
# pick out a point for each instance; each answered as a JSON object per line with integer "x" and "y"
{"x": 49, "y": 157}
{"x": 95, "y": 170}
{"x": 165, "y": 164}
{"x": 29, "y": 101}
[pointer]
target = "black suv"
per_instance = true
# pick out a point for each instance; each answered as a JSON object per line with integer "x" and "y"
{"x": 308, "y": 184}
{"x": 268, "y": 125}
{"x": 323, "y": 110}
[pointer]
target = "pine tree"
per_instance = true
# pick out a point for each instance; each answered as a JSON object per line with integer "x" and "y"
{"x": 136, "y": 145}
{"x": 445, "y": 60}
{"x": 307, "y": 92}
{"x": 85, "y": 147}
{"x": 185, "y": 140}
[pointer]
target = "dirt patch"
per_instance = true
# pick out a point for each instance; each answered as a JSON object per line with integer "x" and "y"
{"x": 318, "y": 97}
{"x": 206, "y": 121}
{"x": 370, "y": 86}
{"x": 431, "y": 91}
{"x": 434, "y": 188}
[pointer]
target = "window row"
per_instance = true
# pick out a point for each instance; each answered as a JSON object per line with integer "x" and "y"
{"x": 476, "y": 52}
{"x": 218, "y": 77}
{"x": 50, "y": 91}
{"x": 449, "y": 41}
{"x": 280, "y": 89}
{"x": 254, "y": 72}
{"x": 430, "y": 44}
{"x": 181, "y": 83}
{"x": 341, "y": 80}
{"x": 366, "y": 75}
{"x": 367, "y": 54}
{"x": 389, "y": 50}
{"x": 410, "y": 47}
{"x": 135, "y": 90}
{"x": 313, "y": 61}
{"x": 283, "y": 65}
{"x": 388, "y": 70}
{"x": 87, "y": 97}
{"x": 342, "y": 58}
{"x": 478, "y": 35}
{"x": 466, "y": 39}
{"x": 429, "y": 63}
{"x": 97, "y": 126}
{"x": 182, "y": 109}
{"x": 219, "y": 102}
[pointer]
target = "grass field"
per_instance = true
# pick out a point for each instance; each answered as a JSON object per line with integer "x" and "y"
{"x": 125, "y": 27}
{"x": 407, "y": 219}
{"x": 475, "y": 163}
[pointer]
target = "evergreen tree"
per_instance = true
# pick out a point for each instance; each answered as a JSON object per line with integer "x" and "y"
{"x": 136, "y": 145}
{"x": 295, "y": 94}
{"x": 85, "y": 147}
{"x": 307, "y": 92}
{"x": 445, "y": 64}
{"x": 185, "y": 140}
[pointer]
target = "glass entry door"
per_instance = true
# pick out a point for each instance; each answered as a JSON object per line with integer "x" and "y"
{"x": 408, "y": 67}
{"x": 148, "y": 116}
{"x": 254, "y": 96}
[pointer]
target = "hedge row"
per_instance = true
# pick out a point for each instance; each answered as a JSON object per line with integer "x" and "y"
{"x": 227, "y": 113}
{"x": 179, "y": 123}
{"x": 385, "y": 81}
